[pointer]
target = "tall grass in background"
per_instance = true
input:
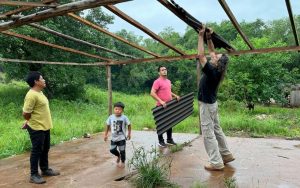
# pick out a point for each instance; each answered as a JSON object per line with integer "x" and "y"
{"x": 71, "y": 119}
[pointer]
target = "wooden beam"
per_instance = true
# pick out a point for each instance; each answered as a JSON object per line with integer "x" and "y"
{"x": 45, "y": 62}
{"x": 26, "y": 3}
{"x": 289, "y": 7}
{"x": 135, "y": 23}
{"x": 58, "y": 11}
{"x": 194, "y": 56}
{"x": 53, "y": 45}
{"x": 86, "y": 22}
{"x": 21, "y": 9}
{"x": 159, "y": 59}
{"x": 235, "y": 23}
{"x": 78, "y": 40}
{"x": 109, "y": 89}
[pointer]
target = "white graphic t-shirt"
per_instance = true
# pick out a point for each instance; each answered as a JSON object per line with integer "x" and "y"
{"x": 118, "y": 127}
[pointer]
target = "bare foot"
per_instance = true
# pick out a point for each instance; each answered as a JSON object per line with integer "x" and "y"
{"x": 118, "y": 159}
{"x": 121, "y": 165}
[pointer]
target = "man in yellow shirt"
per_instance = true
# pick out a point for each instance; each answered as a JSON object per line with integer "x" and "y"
{"x": 36, "y": 111}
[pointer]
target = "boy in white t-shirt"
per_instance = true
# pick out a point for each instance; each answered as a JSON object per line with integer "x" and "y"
{"x": 117, "y": 123}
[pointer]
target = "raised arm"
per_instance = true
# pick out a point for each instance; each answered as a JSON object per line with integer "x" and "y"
{"x": 210, "y": 44}
{"x": 201, "y": 51}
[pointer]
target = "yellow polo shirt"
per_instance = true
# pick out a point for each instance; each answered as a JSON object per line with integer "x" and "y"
{"x": 37, "y": 104}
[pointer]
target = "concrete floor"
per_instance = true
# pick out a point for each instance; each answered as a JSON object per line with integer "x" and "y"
{"x": 88, "y": 163}
{"x": 259, "y": 163}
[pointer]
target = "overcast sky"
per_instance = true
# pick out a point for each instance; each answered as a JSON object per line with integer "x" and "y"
{"x": 156, "y": 17}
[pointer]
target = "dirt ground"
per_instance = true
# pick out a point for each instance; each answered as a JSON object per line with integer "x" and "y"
{"x": 87, "y": 162}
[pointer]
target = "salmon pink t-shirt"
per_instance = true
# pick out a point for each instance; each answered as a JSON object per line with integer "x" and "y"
{"x": 162, "y": 86}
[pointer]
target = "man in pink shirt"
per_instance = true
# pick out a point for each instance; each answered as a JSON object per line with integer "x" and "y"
{"x": 162, "y": 93}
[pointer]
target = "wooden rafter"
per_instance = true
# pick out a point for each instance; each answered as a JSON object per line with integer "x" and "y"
{"x": 37, "y": 26}
{"x": 21, "y": 9}
{"x": 235, "y": 23}
{"x": 135, "y": 23}
{"x": 53, "y": 45}
{"x": 88, "y": 23}
{"x": 289, "y": 7}
{"x": 58, "y": 11}
{"x": 26, "y": 3}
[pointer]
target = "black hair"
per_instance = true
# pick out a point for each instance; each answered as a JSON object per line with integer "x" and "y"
{"x": 119, "y": 104}
{"x": 160, "y": 66}
{"x": 33, "y": 76}
{"x": 222, "y": 65}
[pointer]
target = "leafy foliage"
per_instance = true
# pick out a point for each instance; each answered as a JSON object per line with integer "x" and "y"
{"x": 250, "y": 77}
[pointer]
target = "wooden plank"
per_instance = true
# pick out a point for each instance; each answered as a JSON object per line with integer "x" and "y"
{"x": 46, "y": 62}
{"x": 289, "y": 7}
{"x": 98, "y": 28}
{"x": 21, "y": 9}
{"x": 78, "y": 40}
{"x": 26, "y": 3}
{"x": 53, "y": 45}
{"x": 235, "y": 23}
{"x": 58, "y": 11}
{"x": 135, "y": 23}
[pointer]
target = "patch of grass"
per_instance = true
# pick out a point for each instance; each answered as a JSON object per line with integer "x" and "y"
{"x": 179, "y": 147}
{"x": 152, "y": 170}
{"x": 198, "y": 184}
{"x": 230, "y": 183}
{"x": 87, "y": 115}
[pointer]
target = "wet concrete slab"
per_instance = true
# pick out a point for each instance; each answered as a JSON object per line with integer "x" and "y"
{"x": 88, "y": 163}
{"x": 259, "y": 163}
{"x": 84, "y": 162}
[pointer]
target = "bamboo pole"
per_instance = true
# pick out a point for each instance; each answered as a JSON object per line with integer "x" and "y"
{"x": 109, "y": 89}
{"x": 198, "y": 82}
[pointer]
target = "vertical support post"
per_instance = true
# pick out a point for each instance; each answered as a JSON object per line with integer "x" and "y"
{"x": 198, "y": 82}
{"x": 109, "y": 89}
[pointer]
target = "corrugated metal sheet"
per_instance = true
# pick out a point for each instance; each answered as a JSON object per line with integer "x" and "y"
{"x": 175, "y": 112}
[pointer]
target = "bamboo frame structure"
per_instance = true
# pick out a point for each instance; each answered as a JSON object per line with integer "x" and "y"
{"x": 17, "y": 20}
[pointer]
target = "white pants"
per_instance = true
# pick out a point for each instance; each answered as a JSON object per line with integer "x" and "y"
{"x": 214, "y": 138}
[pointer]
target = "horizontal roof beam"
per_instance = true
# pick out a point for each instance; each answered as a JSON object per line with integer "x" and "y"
{"x": 159, "y": 59}
{"x": 45, "y": 62}
{"x": 194, "y": 56}
{"x": 58, "y": 11}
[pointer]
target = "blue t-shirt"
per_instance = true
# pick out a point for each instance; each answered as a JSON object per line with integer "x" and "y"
{"x": 118, "y": 127}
